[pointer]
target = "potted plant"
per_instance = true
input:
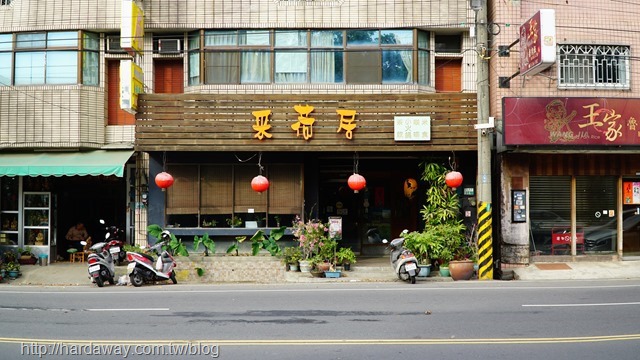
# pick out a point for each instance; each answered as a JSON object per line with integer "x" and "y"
{"x": 310, "y": 237}
{"x": 234, "y": 221}
{"x": 290, "y": 256}
{"x": 442, "y": 239}
{"x": 26, "y": 256}
{"x": 346, "y": 257}
{"x": 13, "y": 269}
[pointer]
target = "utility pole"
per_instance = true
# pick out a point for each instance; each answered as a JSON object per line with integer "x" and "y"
{"x": 485, "y": 228}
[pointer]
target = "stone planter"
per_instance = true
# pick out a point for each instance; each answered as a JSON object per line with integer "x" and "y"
{"x": 461, "y": 269}
{"x": 305, "y": 266}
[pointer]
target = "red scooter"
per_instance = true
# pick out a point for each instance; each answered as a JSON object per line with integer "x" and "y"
{"x": 144, "y": 268}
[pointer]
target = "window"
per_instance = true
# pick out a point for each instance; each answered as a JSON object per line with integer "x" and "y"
{"x": 210, "y": 195}
{"x": 49, "y": 58}
{"x": 593, "y": 66}
{"x": 5, "y": 2}
{"x": 307, "y": 56}
{"x": 448, "y": 43}
{"x": 236, "y": 56}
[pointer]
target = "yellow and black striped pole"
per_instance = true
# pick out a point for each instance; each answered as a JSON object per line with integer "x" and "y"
{"x": 485, "y": 243}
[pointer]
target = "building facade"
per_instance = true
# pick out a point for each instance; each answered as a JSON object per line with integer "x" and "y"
{"x": 567, "y": 137}
{"x": 303, "y": 92}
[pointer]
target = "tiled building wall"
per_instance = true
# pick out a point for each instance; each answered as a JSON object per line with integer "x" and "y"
{"x": 577, "y": 22}
{"x": 51, "y": 116}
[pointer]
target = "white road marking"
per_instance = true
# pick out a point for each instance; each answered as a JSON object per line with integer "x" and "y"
{"x": 139, "y": 309}
{"x": 580, "y": 305}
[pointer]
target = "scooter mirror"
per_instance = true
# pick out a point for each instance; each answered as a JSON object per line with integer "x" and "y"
{"x": 106, "y": 236}
{"x": 102, "y": 222}
{"x": 384, "y": 241}
{"x": 83, "y": 243}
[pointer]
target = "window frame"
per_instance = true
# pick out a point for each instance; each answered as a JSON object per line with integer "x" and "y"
{"x": 591, "y": 57}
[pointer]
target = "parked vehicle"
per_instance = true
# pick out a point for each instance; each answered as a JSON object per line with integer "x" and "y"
{"x": 101, "y": 266}
{"x": 144, "y": 268}
{"x": 402, "y": 260}
{"x": 115, "y": 243}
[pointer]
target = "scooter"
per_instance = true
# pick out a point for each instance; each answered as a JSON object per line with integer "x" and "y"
{"x": 402, "y": 260}
{"x": 114, "y": 244}
{"x": 101, "y": 267}
{"x": 141, "y": 266}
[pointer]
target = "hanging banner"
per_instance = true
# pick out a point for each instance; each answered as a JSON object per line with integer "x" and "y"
{"x": 335, "y": 228}
{"x": 131, "y": 27}
{"x": 131, "y": 84}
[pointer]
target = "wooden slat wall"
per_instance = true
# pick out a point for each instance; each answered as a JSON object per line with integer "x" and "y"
{"x": 584, "y": 164}
{"x": 223, "y": 122}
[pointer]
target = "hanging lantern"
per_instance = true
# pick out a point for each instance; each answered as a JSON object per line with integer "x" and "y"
{"x": 164, "y": 180}
{"x": 356, "y": 182}
{"x": 260, "y": 183}
{"x": 410, "y": 187}
{"x": 453, "y": 179}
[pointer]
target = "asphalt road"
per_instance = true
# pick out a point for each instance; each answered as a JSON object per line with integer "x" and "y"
{"x": 470, "y": 320}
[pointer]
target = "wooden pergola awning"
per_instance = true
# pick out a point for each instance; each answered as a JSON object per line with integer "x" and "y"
{"x": 224, "y": 122}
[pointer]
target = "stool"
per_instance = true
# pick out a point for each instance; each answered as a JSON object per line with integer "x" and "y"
{"x": 72, "y": 254}
{"x": 77, "y": 256}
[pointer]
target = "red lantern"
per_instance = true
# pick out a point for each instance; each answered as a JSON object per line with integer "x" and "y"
{"x": 164, "y": 180}
{"x": 453, "y": 179}
{"x": 260, "y": 183}
{"x": 356, "y": 182}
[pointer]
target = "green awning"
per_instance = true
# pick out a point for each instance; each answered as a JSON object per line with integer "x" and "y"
{"x": 97, "y": 162}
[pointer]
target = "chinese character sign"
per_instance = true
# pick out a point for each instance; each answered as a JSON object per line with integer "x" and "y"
{"x": 571, "y": 121}
{"x": 262, "y": 124}
{"x": 304, "y": 124}
{"x": 412, "y": 128}
{"x": 347, "y": 122}
{"x": 537, "y": 42}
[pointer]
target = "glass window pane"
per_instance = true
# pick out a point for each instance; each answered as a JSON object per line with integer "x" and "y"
{"x": 30, "y": 40}
{"x": 29, "y": 68}
{"x": 5, "y": 68}
{"x": 363, "y": 67}
{"x": 397, "y": 66}
{"x": 62, "y": 67}
{"x": 194, "y": 68}
{"x": 219, "y": 38}
{"x": 327, "y": 38}
{"x": 194, "y": 41}
{"x": 222, "y": 67}
{"x": 327, "y": 67}
{"x": 396, "y": 37}
{"x": 423, "y": 67}
{"x": 91, "y": 41}
{"x": 449, "y": 43}
{"x": 256, "y": 67}
{"x": 423, "y": 40}
{"x": 363, "y": 38}
{"x": 291, "y": 67}
{"x": 62, "y": 39}
{"x": 254, "y": 37}
{"x": 6, "y": 41}
{"x": 291, "y": 38}
{"x": 90, "y": 68}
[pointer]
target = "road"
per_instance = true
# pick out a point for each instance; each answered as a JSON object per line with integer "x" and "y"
{"x": 454, "y": 320}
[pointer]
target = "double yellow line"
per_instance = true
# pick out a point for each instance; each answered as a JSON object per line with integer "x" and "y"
{"x": 334, "y": 342}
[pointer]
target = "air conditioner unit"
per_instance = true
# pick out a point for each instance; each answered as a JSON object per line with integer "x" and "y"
{"x": 113, "y": 45}
{"x": 169, "y": 46}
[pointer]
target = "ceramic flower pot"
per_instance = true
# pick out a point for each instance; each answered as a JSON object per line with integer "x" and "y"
{"x": 305, "y": 266}
{"x": 461, "y": 269}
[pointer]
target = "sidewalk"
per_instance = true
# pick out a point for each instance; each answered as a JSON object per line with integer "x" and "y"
{"x": 366, "y": 270}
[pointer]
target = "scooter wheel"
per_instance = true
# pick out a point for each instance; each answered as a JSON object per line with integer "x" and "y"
{"x": 413, "y": 279}
{"x": 111, "y": 280}
{"x": 173, "y": 277}
{"x": 99, "y": 281}
{"x": 136, "y": 279}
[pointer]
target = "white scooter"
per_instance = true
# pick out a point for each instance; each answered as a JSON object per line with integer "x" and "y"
{"x": 144, "y": 268}
{"x": 101, "y": 266}
{"x": 403, "y": 261}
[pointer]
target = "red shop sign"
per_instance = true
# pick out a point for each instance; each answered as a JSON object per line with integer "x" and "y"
{"x": 571, "y": 121}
